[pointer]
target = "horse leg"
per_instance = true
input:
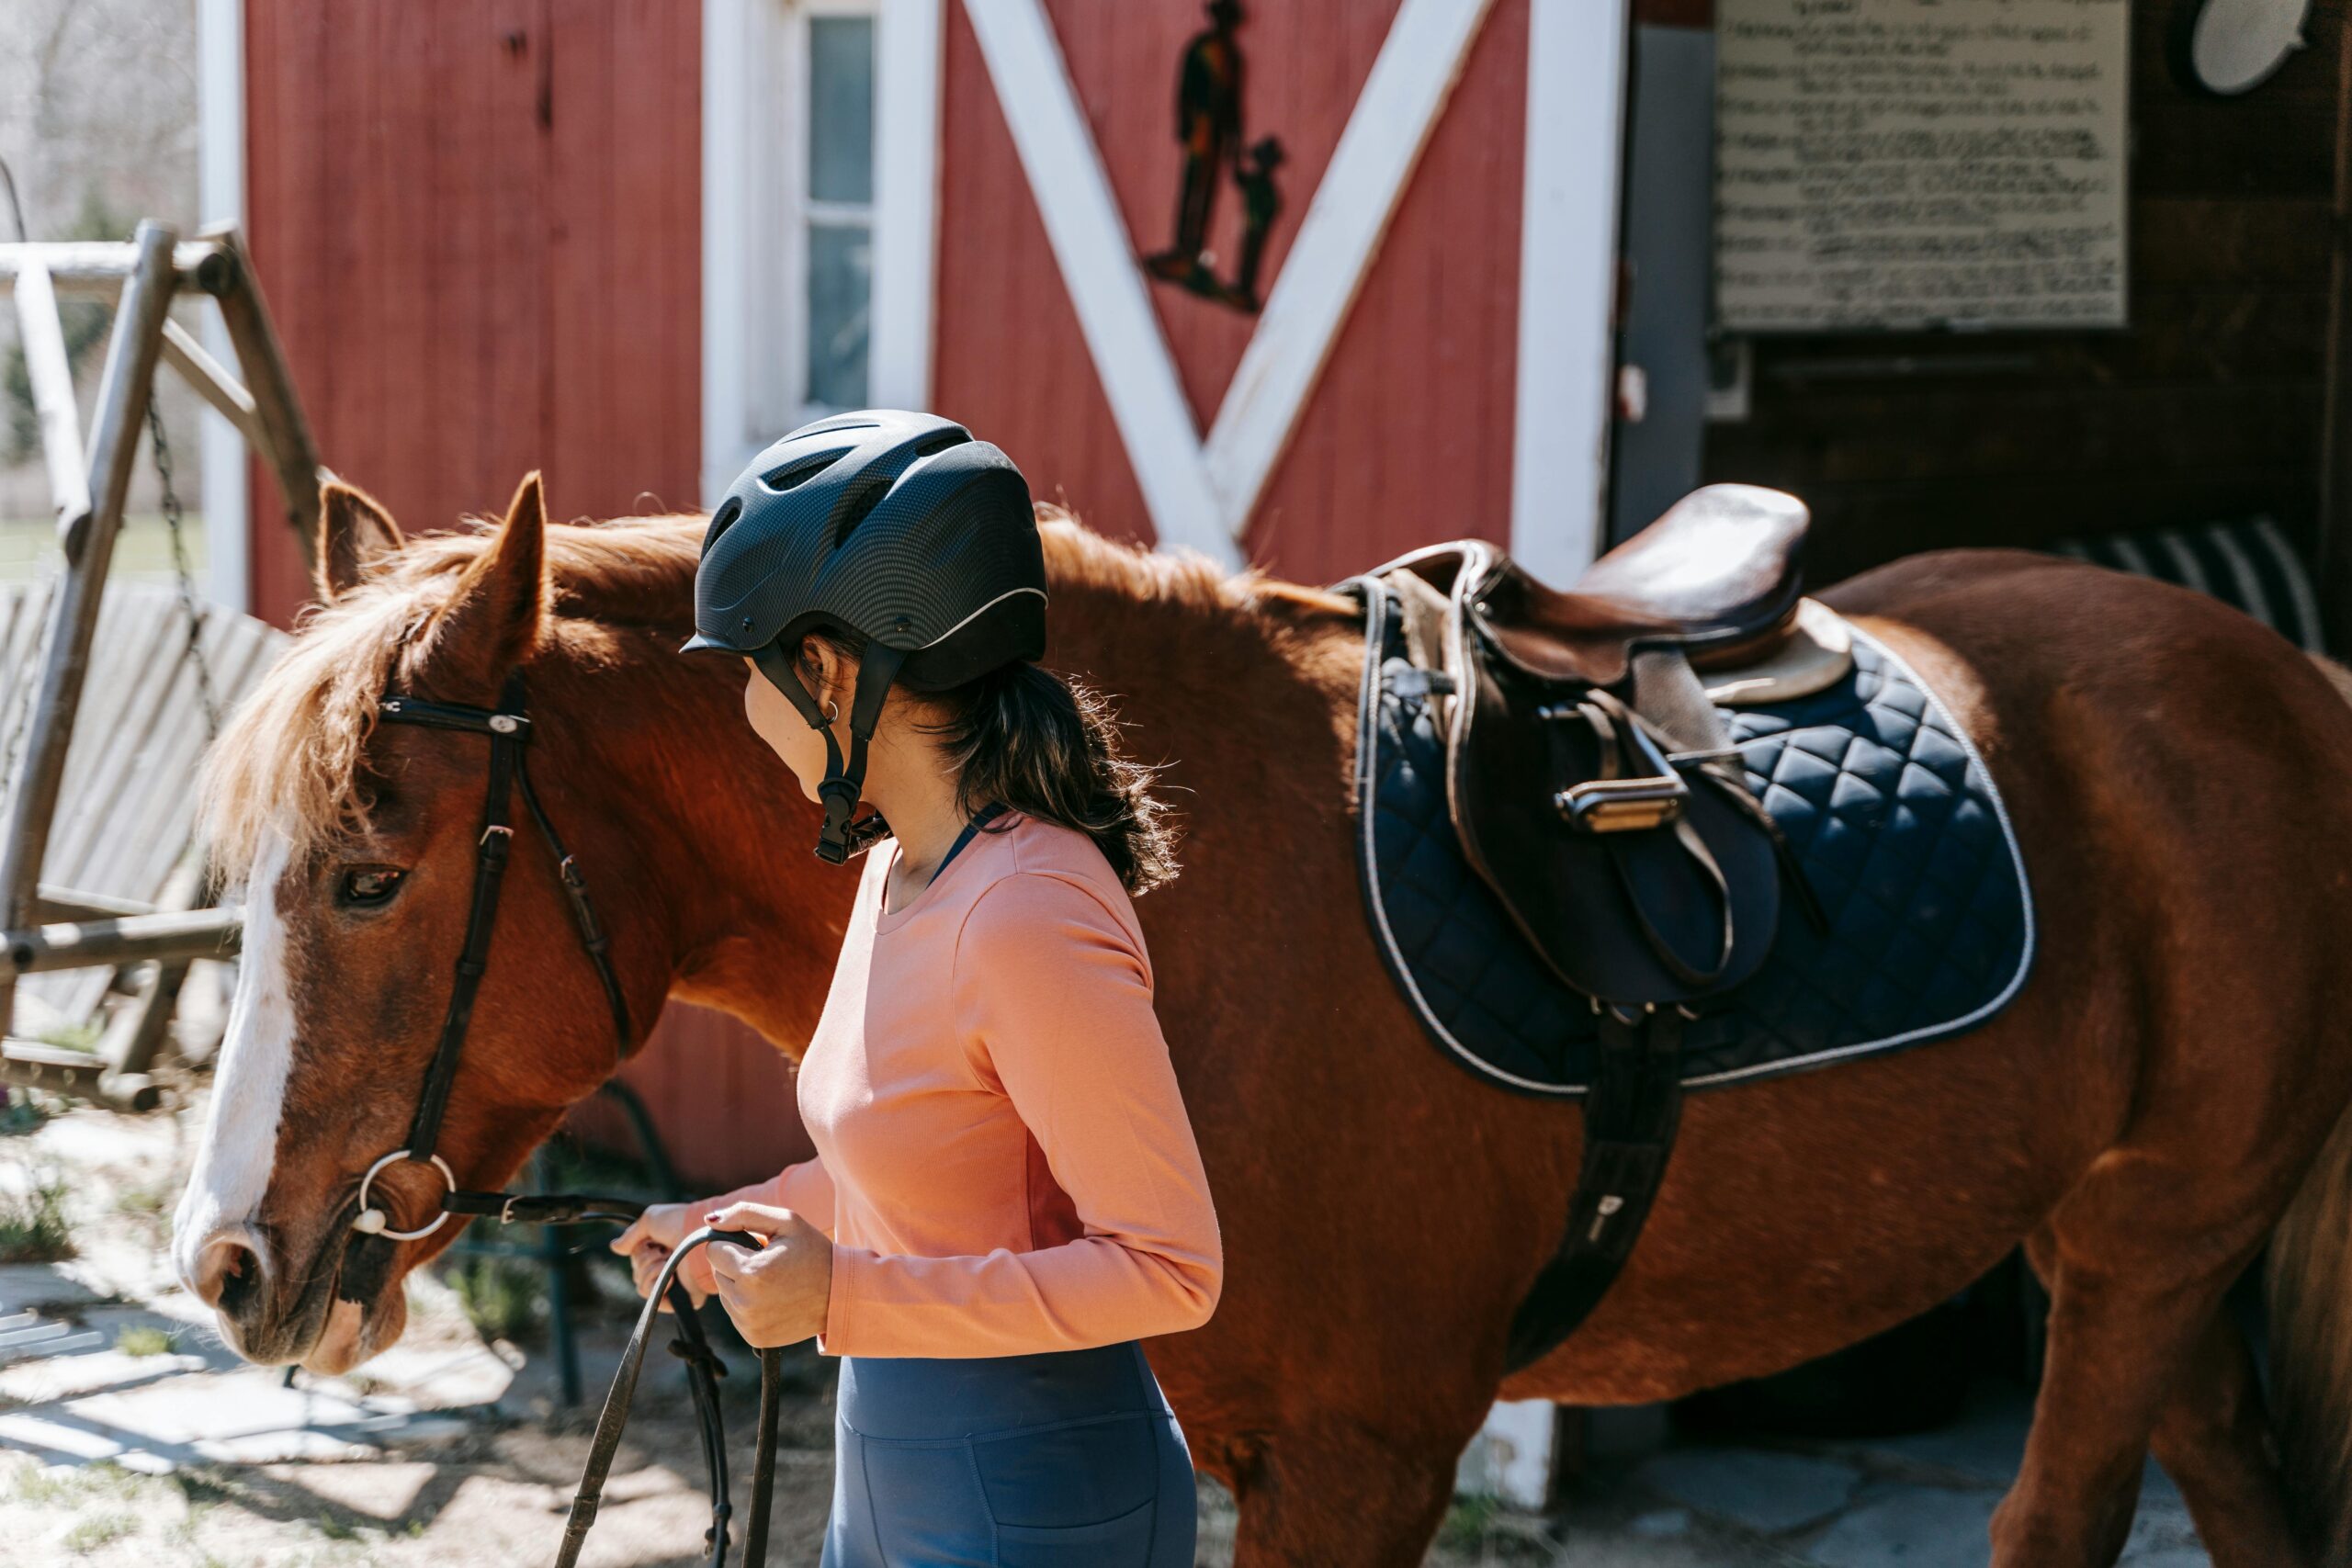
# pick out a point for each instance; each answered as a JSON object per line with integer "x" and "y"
{"x": 2125, "y": 1322}
{"x": 1336, "y": 1490}
{"x": 2212, "y": 1438}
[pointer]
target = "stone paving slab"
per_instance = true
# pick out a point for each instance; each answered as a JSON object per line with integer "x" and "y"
{"x": 1761, "y": 1490}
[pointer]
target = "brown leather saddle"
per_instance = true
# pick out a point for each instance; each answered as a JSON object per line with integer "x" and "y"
{"x": 1591, "y": 781}
{"x": 1593, "y": 786}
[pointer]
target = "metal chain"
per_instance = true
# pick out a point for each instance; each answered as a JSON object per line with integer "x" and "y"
{"x": 205, "y": 693}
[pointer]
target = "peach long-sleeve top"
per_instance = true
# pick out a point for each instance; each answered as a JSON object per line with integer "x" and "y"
{"x": 1003, "y": 1160}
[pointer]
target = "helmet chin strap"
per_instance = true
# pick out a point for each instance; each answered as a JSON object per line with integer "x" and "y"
{"x": 844, "y": 783}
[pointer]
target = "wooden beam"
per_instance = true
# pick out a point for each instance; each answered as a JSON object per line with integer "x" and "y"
{"x": 123, "y": 391}
{"x": 99, "y": 269}
{"x": 214, "y": 383}
{"x": 290, "y": 454}
{"x": 51, "y": 374}
{"x": 133, "y": 939}
{"x": 28, "y": 1064}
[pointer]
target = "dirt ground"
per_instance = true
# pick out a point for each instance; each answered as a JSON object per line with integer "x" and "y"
{"x": 129, "y": 1439}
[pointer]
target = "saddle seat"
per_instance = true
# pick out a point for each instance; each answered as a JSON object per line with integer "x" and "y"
{"x": 1718, "y": 576}
{"x": 1589, "y": 777}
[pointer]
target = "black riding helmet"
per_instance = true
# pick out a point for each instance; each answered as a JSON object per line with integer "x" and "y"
{"x": 896, "y": 527}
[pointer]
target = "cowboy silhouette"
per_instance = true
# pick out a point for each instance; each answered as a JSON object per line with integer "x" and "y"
{"x": 1208, "y": 126}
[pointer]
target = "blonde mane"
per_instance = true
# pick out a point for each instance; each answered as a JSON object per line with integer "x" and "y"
{"x": 289, "y": 761}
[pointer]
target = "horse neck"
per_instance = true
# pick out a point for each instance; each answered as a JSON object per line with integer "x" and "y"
{"x": 708, "y": 829}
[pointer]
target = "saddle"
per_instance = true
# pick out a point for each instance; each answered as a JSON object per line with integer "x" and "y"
{"x": 1593, "y": 786}
{"x": 1591, "y": 780}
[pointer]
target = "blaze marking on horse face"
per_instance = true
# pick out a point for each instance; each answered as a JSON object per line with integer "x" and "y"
{"x": 235, "y": 1162}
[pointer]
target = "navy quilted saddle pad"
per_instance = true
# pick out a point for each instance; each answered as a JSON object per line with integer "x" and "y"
{"x": 1894, "y": 818}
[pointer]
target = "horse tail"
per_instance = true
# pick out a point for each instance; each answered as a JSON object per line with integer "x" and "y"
{"x": 2311, "y": 1330}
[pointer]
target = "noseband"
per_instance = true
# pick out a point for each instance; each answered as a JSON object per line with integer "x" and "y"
{"x": 508, "y": 728}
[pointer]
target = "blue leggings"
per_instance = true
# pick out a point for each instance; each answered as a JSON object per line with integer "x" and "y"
{"x": 1066, "y": 1459}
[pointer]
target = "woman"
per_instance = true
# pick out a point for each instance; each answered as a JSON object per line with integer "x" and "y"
{"x": 1006, "y": 1195}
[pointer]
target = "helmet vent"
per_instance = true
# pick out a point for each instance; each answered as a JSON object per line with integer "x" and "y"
{"x": 719, "y": 522}
{"x": 939, "y": 444}
{"x": 793, "y": 475}
{"x": 857, "y": 501}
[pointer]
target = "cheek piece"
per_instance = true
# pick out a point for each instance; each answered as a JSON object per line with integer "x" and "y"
{"x": 844, "y": 783}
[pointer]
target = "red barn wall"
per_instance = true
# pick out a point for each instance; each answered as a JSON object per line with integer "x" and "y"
{"x": 479, "y": 222}
{"x": 1406, "y": 438}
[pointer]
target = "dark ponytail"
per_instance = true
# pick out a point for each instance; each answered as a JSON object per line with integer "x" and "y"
{"x": 1049, "y": 749}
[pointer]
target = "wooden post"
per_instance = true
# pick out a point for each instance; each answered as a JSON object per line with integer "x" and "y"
{"x": 123, "y": 392}
{"x": 51, "y": 374}
{"x": 289, "y": 452}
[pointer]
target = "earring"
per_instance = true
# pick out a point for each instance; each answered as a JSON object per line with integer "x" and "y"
{"x": 832, "y": 711}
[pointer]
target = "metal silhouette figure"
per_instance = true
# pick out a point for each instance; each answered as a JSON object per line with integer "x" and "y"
{"x": 1208, "y": 127}
{"x": 1260, "y": 204}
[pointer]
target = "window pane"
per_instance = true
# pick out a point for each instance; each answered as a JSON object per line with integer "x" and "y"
{"x": 841, "y": 108}
{"x": 841, "y": 285}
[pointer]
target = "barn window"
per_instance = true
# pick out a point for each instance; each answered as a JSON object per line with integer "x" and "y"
{"x": 818, "y": 168}
{"x": 836, "y": 215}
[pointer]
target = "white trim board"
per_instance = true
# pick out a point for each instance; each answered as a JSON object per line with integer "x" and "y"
{"x": 1576, "y": 58}
{"x": 1201, "y": 493}
{"x": 221, "y": 198}
{"x": 739, "y": 39}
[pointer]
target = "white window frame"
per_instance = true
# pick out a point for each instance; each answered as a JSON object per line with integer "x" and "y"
{"x": 756, "y": 159}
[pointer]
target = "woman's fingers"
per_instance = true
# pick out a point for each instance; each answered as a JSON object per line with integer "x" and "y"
{"x": 728, "y": 1261}
{"x": 626, "y": 1242}
{"x": 760, "y": 1219}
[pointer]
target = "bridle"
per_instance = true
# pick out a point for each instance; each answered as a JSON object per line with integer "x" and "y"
{"x": 508, "y": 728}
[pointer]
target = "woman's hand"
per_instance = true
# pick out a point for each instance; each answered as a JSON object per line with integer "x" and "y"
{"x": 653, "y": 1235}
{"x": 775, "y": 1295}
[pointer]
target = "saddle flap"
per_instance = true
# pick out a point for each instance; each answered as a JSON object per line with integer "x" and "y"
{"x": 1637, "y": 880}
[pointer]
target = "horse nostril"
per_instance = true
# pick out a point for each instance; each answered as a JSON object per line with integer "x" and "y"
{"x": 228, "y": 1277}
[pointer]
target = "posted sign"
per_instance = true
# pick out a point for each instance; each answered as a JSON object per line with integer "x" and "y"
{"x": 1919, "y": 163}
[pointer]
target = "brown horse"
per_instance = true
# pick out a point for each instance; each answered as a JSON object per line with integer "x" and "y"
{"x": 2142, "y": 1116}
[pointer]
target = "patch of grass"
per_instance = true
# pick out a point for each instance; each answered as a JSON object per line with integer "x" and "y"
{"x": 145, "y": 1340}
{"x": 503, "y": 1298}
{"x": 1467, "y": 1522}
{"x": 142, "y": 1201}
{"x": 100, "y": 1528}
{"x": 21, "y": 1114}
{"x": 335, "y": 1528}
{"x": 84, "y": 1036}
{"x": 204, "y": 1487}
{"x": 33, "y": 1227}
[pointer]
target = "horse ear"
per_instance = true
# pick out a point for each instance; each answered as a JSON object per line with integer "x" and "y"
{"x": 493, "y": 617}
{"x": 355, "y": 533}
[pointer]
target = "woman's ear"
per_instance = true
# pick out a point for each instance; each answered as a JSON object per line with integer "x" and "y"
{"x": 828, "y": 673}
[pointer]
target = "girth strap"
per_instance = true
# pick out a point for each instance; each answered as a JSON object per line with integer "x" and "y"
{"x": 1630, "y": 1115}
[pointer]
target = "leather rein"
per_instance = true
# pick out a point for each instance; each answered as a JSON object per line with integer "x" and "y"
{"x": 508, "y": 728}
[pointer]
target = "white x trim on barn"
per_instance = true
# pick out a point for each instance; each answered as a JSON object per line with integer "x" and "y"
{"x": 1202, "y": 492}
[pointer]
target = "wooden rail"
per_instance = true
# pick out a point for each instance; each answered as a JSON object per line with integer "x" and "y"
{"x": 51, "y": 928}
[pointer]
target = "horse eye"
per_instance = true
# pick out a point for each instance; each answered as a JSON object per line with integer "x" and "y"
{"x": 370, "y": 885}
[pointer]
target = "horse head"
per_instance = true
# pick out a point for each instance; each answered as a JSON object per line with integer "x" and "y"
{"x": 356, "y": 842}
